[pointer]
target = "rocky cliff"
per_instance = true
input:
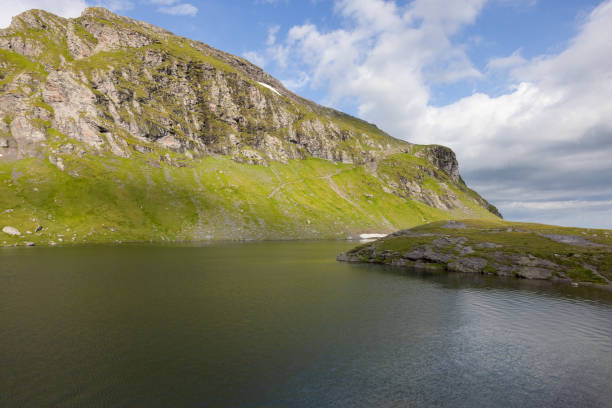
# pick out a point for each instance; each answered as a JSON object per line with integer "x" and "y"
{"x": 111, "y": 124}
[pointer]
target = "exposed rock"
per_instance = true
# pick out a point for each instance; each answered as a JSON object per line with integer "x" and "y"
{"x": 532, "y": 261}
{"x": 468, "y": 265}
{"x": 446, "y": 241}
{"x": 415, "y": 254}
{"x": 346, "y": 257}
{"x": 74, "y": 106}
{"x": 427, "y": 254}
{"x": 570, "y": 240}
{"x": 454, "y": 225}
{"x": 29, "y": 243}
{"x": 444, "y": 158}
{"x": 11, "y": 231}
{"x": 427, "y": 266}
{"x": 531, "y": 272}
{"x": 466, "y": 250}
{"x": 26, "y": 135}
{"x": 453, "y": 249}
{"x": 488, "y": 245}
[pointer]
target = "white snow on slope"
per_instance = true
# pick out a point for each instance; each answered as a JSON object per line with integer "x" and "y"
{"x": 372, "y": 236}
{"x": 269, "y": 87}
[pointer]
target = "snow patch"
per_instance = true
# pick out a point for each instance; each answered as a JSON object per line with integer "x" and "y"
{"x": 269, "y": 87}
{"x": 372, "y": 236}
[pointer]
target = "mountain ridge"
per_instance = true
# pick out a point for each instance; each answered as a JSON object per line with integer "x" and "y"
{"x": 102, "y": 93}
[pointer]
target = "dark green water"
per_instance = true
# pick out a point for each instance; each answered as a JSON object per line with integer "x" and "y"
{"x": 285, "y": 325}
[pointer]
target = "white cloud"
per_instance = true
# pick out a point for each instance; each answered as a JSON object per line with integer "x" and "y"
{"x": 511, "y": 61}
{"x": 183, "y": 9}
{"x": 550, "y": 134}
{"x": 64, "y": 8}
{"x": 114, "y": 5}
{"x": 295, "y": 84}
{"x": 272, "y": 31}
{"x": 557, "y": 205}
{"x": 255, "y": 57}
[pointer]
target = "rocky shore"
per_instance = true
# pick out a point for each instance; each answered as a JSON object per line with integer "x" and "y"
{"x": 529, "y": 251}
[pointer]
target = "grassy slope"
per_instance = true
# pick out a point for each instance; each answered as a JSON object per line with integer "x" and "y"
{"x": 107, "y": 198}
{"x": 514, "y": 238}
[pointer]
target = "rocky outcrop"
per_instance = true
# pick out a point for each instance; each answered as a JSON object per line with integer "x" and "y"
{"x": 467, "y": 248}
{"x": 443, "y": 158}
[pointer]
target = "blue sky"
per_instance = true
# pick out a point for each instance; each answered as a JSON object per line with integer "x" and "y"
{"x": 502, "y": 27}
{"x": 520, "y": 89}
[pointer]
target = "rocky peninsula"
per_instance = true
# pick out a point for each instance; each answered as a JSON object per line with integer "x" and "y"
{"x": 509, "y": 249}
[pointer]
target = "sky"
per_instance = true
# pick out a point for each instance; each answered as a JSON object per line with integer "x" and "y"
{"x": 521, "y": 90}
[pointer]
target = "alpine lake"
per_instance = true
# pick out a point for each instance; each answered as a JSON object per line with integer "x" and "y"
{"x": 283, "y": 324}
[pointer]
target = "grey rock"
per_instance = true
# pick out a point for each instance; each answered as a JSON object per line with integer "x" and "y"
{"x": 427, "y": 266}
{"x": 444, "y": 158}
{"x": 415, "y": 254}
{"x": 488, "y": 245}
{"x": 399, "y": 262}
{"x": 432, "y": 256}
{"x": 532, "y": 261}
{"x": 445, "y": 241}
{"x": 454, "y": 225}
{"x": 571, "y": 240}
{"x": 505, "y": 270}
{"x": 11, "y": 231}
{"x": 29, "y": 243}
{"x": 468, "y": 265}
{"x": 466, "y": 250}
{"x": 428, "y": 254}
{"x": 346, "y": 257}
{"x": 530, "y": 272}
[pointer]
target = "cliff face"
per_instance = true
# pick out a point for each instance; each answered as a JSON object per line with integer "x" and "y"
{"x": 105, "y": 91}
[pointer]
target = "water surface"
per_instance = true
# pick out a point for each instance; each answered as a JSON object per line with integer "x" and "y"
{"x": 285, "y": 325}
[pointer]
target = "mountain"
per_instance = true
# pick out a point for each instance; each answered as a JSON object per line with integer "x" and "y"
{"x": 112, "y": 129}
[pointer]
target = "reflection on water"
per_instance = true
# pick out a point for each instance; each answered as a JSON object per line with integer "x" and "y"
{"x": 284, "y": 324}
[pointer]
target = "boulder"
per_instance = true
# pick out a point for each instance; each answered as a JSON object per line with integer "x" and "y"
{"x": 468, "y": 265}
{"x": 11, "y": 231}
{"x": 488, "y": 245}
{"x": 532, "y": 272}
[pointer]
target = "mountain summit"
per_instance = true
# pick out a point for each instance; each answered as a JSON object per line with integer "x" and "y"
{"x": 114, "y": 129}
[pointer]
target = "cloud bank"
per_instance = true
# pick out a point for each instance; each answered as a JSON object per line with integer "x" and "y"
{"x": 545, "y": 142}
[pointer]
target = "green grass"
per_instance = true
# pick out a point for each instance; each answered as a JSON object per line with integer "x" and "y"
{"x": 107, "y": 198}
{"x": 85, "y": 35}
{"x": 515, "y": 240}
{"x": 16, "y": 64}
{"x": 581, "y": 274}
